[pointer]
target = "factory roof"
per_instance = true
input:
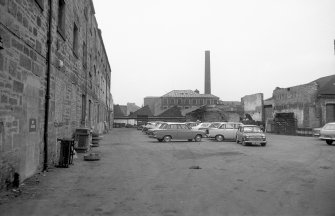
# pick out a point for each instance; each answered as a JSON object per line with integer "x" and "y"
{"x": 188, "y": 94}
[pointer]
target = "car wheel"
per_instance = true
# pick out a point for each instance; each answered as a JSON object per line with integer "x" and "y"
{"x": 244, "y": 143}
{"x": 263, "y": 144}
{"x": 329, "y": 142}
{"x": 219, "y": 138}
{"x": 167, "y": 139}
{"x": 237, "y": 140}
{"x": 160, "y": 140}
{"x": 197, "y": 138}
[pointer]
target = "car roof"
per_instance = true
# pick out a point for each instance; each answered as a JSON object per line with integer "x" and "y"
{"x": 249, "y": 126}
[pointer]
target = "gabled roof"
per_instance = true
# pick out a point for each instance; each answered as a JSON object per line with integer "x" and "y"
{"x": 144, "y": 111}
{"x": 326, "y": 85}
{"x": 172, "y": 112}
{"x": 187, "y": 93}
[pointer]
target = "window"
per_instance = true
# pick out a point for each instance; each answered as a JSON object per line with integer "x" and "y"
{"x": 75, "y": 40}
{"x": 61, "y": 17}
{"x": 83, "y": 108}
{"x": 179, "y": 101}
{"x": 90, "y": 80}
{"x": 171, "y": 101}
{"x": 84, "y": 55}
{"x": 194, "y": 102}
{"x": 208, "y": 102}
{"x": 215, "y": 102}
{"x": 165, "y": 101}
{"x": 187, "y": 101}
{"x": 89, "y": 110}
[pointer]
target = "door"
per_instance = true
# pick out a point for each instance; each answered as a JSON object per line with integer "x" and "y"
{"x": 230, "y": 132}
{"x": 330, "y": 113}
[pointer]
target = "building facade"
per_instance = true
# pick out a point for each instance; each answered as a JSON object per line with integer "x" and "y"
{"x": 312, "y": 104}
{"x": 184, "y": 99}
{"x": 54, "y": 77}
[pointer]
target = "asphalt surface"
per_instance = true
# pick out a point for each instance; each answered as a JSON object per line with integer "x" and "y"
{"x": 140, "y": 176}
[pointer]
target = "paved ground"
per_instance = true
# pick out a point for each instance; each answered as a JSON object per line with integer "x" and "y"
{"x": 140, "y": 176}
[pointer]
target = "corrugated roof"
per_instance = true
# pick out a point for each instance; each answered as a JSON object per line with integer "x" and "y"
{"x": 187, "y": 93}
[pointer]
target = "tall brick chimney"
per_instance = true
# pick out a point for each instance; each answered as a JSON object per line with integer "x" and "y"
{"x": 207, "y": 72}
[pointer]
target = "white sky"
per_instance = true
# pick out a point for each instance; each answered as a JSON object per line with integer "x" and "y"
{"x": 156, "y": 46}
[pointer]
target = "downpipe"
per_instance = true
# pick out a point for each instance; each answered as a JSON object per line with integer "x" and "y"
{"x": 47, "y": 94}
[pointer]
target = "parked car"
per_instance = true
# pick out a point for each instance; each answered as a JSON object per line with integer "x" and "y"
{"x": 150, "y": 125}
{"x": 250, "y": 134}
{"x": 192, "y": 124}
{"x": 202, "y": 126}
{"x": 316, "y": 132}
{"x": 178, "y": 131}
{"x": 327, "y": 133}
{"x": 225, "y": 131}
{"x": 160, "y": 126}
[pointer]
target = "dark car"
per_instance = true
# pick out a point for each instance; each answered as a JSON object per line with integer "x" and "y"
{"x": 178, "y": 131}
{"x": 250, "y": 134}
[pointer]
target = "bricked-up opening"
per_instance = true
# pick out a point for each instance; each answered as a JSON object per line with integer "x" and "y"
{"x": 61, "y": 17}
{"x": 75, "y": 39}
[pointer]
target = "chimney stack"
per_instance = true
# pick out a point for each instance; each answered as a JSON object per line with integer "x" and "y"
{"x": 207, "y": 72}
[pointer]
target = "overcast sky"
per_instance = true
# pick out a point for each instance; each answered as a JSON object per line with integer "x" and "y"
{"x": 156, "y": 46}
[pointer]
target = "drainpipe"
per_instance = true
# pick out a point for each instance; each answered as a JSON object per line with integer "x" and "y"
{"x": 47, "y": 94}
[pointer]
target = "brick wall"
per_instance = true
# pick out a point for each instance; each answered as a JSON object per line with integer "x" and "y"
{"x": 24, "y": 29}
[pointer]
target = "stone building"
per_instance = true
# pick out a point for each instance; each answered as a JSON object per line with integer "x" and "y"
{"x": 253, "y": 105}
{"x": 184, "y": 99}
{"x": 311, "y": 105}
{"x": 54, "y": 77}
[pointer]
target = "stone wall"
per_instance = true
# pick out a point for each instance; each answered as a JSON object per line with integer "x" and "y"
{"x": 79, "y": 88}
{"x": 300, "y": 100}
{"x": 254, "y": 106}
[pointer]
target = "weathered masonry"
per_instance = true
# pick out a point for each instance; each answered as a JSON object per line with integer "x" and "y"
{"x": 54, "y": 77}
{"x": 311, "y": 105}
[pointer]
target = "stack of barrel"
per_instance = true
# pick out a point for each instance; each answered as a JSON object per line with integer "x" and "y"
{"x": 96, "y": 139}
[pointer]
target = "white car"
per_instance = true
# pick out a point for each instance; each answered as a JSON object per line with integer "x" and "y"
{"x": 226, "y": 131}
{"x": 202, "y": 126}
{"x": 327, "y": 133}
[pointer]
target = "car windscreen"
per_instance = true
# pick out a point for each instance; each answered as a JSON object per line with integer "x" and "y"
{"x": 329, "y": 127}
{"x": 252, "y": 130}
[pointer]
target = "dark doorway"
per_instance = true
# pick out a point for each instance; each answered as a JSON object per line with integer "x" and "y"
{"x": 330, "y": 113}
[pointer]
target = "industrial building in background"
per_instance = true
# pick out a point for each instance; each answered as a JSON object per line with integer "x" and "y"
{"x": 54, "y": 77}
